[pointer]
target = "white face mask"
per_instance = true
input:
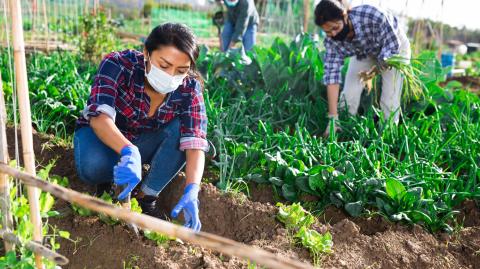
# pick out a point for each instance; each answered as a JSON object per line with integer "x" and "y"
{"x": 161, "y": 81}
{"x": 231, "y": 3}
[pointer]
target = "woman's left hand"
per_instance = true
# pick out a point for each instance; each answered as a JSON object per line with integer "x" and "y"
{"x": 189, "y": 204}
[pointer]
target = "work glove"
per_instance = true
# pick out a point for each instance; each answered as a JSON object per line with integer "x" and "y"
{"x": 336, "y": 127}
{"x": 128, "y": 172}
{"x": 189, "y": 204}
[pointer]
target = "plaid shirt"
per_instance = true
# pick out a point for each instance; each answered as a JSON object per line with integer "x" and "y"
{"x": 118, "y": 91}
{"x": 377, "y": 34}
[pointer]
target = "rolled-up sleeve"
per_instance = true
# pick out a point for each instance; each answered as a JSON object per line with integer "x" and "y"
{"x": 193, "y": 130}
{"x": 104, "y": 89}
{"x": 333, "y": 61}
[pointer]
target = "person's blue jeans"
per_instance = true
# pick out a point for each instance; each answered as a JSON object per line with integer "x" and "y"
{"x": 248, "y": 39}
{"x": 94, "y": 160}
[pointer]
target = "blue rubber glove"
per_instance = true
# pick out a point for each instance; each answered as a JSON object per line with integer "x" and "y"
{"x": 189, "y": 204}
{"x": 128, "y": 171}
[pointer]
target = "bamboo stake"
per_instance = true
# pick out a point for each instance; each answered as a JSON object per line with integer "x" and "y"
{"x": 25, "y": 120}
{"x": 86, "y": 7}
{"x": 306, "y": 14}
{"x": 2, "y": 27}
{"x": 207, "y": 240}
{"x": 34, "y": 13}
{"x": 35, "y": 247}
{"x": 95, "y": 7}
{"x": 55, "y": 18}
{"x": 45, "y": 20}
{"x": 7, "y": 220}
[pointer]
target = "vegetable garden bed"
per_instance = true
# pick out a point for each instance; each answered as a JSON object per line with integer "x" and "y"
{"x": 358, "y": 242}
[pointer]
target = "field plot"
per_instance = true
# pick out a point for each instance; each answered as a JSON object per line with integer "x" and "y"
{"x": 372, "y": 193}
{"x": 357, "y": 242}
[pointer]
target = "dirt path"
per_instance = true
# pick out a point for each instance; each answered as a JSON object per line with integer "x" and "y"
{"x": 358, "y": 243}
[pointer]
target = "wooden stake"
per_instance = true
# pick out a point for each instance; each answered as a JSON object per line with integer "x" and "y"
{"x": 45, "y": 21}
{"x": 95, "y": 7}
{"x": 7, "y": 221}
{"x": 207, "y": 240}
{"x": 35, "y": 247}
{"x": 34, "y": 13}
{"x": 86, "y": 7}
{"x": 25, "y": 120}
{"x": 306, "y": 15}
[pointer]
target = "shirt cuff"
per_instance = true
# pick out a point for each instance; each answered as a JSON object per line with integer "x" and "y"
{"x": 95, "y": 110}
{"x": 332, "y": 80}
{"x": 193, "y": 143}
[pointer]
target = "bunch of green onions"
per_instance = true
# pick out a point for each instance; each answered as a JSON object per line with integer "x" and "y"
{"x": 412, "y": 85}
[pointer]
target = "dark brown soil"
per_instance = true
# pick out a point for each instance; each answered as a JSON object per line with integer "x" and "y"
{"x": 358, "y": 243}
{"x": 469, "y": 82}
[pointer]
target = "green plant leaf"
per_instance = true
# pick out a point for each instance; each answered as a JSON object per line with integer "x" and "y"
{"x": 289, "y": 192}
{"x": 64, "y": 234}
{"x": 354, "y": 209}
{"x": 276, "y": 181}
{"x": 316, "y": 183}
{"x": 395, "y": 189}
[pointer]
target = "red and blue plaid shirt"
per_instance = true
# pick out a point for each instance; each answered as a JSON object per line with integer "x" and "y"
{"x": 377, "y": 34}
{"x": 118, "y": 91}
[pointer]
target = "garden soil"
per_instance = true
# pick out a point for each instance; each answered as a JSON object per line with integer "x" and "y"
{"x": 358, "y": 242}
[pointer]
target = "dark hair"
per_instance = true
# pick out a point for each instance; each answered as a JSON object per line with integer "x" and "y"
{"x": 179, "y": 36}
{"x": 329, "y": 10}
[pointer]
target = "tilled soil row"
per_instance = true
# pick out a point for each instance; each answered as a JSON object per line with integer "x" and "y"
{"x": 358, "y": 243}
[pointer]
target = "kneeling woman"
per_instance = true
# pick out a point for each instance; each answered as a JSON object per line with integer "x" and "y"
{"x": 147, "y": 108}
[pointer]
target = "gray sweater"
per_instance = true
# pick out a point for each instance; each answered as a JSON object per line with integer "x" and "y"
{"x": 243, "y": 15}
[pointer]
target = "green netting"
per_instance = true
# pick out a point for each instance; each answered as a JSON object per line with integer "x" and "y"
{"x": 200, "y": 21}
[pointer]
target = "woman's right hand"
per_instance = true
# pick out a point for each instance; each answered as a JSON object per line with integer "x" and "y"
{"x": 128, "y": 171}
{"x": 336, "y": 127}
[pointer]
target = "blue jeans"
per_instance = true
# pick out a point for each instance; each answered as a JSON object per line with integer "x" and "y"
{"x": 248, "y": 39}
{"x": 94, "y": 160}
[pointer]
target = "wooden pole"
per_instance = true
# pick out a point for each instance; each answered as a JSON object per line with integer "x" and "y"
{"x": 35, "y": 247}
{"x": 7, "y": 220}
{"x": 45, "y": 21}
{"x": 55, "y": 19}
{"x": 25, "y": 120}
{"x": 86, "y": 7}
{"x": 34, "y": 12}
{"x": 306, "y": 15}
{"x": 32, "y": 21}
{"x": 207, "y": 240}
{"x": 95, "y": 7}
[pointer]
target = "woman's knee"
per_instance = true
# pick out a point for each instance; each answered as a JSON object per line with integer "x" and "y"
{"x": 94, "y": 161}
{"x": 95, "y": 171}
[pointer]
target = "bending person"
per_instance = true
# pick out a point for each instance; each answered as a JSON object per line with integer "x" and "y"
{"x": 240, "y": 27}
{"x": 147, "y": 108}
{"x": 371, "y": 36}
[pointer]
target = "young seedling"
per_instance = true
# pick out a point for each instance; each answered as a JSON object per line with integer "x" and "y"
{"x": 298, "y": 221}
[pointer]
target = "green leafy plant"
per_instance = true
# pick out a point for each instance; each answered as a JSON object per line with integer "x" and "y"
{"x": 294, "y": 216}
{"x": 81, "y": 210}
{"x": 98, "y": 37}
{"x": 160, "y": 239}
{"x": 299, "y": 221}
{"x": 316, "y": 243}
{"x": 24, "y": 258}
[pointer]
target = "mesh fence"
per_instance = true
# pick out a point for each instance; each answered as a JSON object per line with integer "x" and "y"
{"x": 278, "y": 18}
